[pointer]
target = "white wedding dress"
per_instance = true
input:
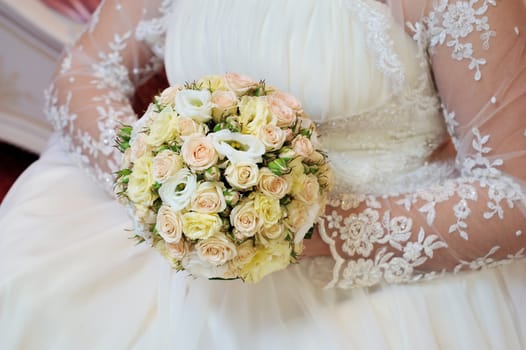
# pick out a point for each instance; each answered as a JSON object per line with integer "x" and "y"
{"x": 403, "y": 230}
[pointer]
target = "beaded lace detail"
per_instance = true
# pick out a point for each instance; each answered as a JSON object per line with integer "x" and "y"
{"x": 112, "y": 84}
{"x": 394, "y": 238}
{"x": 451, "y": 23}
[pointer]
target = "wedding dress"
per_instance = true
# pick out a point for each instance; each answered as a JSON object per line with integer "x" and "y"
{"x": 405, "y": 227}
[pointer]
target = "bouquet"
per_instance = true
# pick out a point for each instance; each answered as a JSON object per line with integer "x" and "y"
{"x": 223, "y": 177}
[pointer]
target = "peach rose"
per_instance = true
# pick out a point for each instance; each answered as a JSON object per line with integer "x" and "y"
{"x": 225, "y": 103}
{"x": 169, "y": 224}
{"x": 289, "y": 100}
{"x": 271, "y": 184}
{"x": 167, "y": 97}
{"x": 187, "y": 127}
{"x": 302, "y": 146}
{"x": 238, "y": 83}
{"x": 245, "y": 219}
{"x": 208, "y": 198}
{"x": 242, "y": 176}
{"x": 272, "y": 136}
{"x": 199, "y": 152}
{"x": 216, "y": 250}
{"x": 138, "y": 147}
{"x": 165, "y": 164}
{"x": 285, "y": 115}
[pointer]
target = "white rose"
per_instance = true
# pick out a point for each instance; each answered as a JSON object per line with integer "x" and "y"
{"x": 199, "y": 153}
{"x": 244, "y": 218}
{"x": 242, "y": 176}
{"x": 177, "y": 191}
{"x": 195, "y": 104}
{"x": 169, "y": 224}
{"x": 272, "y": 137}
{"x": 301, "y": 218}
{"x": 271, "y": 184}
{"x": 209, "y": 198}
{"x": 216, "y": 250}
{"x": 252, "y": 150}
{"x": 165, "y": 164}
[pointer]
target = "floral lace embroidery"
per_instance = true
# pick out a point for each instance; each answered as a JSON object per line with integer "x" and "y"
{"x": 153, "y": 31}
{"x": 398, "y": 255}
{"x": 451, "y": 23}
{"x": 377, "y": 20}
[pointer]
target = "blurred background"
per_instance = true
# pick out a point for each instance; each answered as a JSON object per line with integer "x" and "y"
{"x": 33, "y": 34}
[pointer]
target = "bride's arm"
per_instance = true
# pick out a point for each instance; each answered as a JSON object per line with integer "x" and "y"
{"x": 477, "y": 52}
{"x": 92, "y": 89}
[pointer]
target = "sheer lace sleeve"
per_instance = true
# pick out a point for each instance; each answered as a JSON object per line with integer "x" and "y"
{"x": 477, "y": 218}
{"x": 92, "y": 89}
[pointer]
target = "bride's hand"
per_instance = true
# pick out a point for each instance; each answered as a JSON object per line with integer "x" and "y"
{"x": 315, "y": 246}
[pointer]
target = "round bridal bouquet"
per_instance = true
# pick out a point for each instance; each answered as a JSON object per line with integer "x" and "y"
{"x": 223, "y": 177}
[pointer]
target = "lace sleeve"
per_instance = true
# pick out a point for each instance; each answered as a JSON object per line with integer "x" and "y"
{"x": 92, "y": 89}
{"x": 476, "y": 219}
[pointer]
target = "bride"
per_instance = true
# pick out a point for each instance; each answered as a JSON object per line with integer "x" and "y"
{"x": 421, "y": 108}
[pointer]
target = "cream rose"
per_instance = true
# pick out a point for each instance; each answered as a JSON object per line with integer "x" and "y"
{"x": 254, "y": 113}
{"x": 165, "y": 164}
{"x": 272, "y": 185}
{"x": 141, "y": 181}
{"x": 302, "y": 146}
{"x": 216, "y": 250}
{"x": 245, "y": 253}
{"x": 200, "y": 225}
{"x": 163, "y": 127}
{"x": 272, "y": 137}
{"x": 225, "y": 103}
{"x": 306, "y": 189}
{"x": 242, "y": 176}
{"x": 272, "y": 233}
{"x": 169, "y": 224}
{"x": 144, "y": 214}
{"x": 238, "y": 83}
{"x": 138, "y": 147}
{"x": 212, "y": 82}
{"x": 285, "y": 116}
{"x": 244, "y": 218}
{"x": 266, "y": 260}
{"x": 199, "y": 153}
{"x": 195, "y": 104}
{"x": 187, "y": 127}
{"x": 177, "y": 250}
{"x": 268, "y": 209}
{"x": 208, "y": 198}
{"x": 251, "y": 147}
{"x": 177, "y": 191}
{"x": 301, "y": 218}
